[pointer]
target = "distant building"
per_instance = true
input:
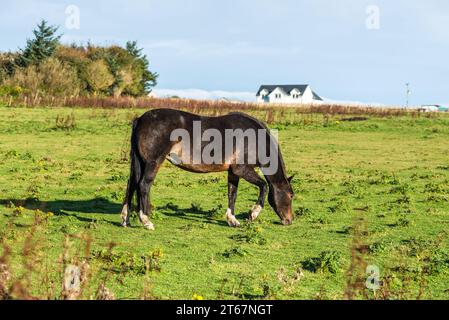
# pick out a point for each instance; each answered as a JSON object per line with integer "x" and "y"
{"x": 430, "y": 108}
{"x": 288, "y": 94}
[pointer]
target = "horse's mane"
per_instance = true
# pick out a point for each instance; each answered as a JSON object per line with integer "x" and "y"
{"x": 282, "y": 170}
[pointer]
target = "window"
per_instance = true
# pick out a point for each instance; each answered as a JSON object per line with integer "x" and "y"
{"x": 278, "y": 96}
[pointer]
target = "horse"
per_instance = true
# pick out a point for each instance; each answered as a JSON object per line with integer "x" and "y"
{"x": 156, "y": 137}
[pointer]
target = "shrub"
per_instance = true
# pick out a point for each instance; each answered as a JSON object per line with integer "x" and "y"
{"x": 8, "y": 90}
{"x": 51, "y": 77}
{"x": 7, "y": 65}
{"x": 65, "y": 123}
{"x": 235, "y": 252}
{"x": 252, "y": 234}
{"x": 98, "y": 76}
{"x": 327, "y": 261}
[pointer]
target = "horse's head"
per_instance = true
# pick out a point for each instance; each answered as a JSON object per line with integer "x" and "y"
{"x": 280, "y": 197}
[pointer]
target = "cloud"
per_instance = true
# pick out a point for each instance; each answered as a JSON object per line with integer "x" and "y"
{"x": 198, "y": 94}
{"x": 186, "y": 47}
{"x": 357, "y": 103}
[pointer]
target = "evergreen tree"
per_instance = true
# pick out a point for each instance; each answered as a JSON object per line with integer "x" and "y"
{"x": 149, "y": 79}
{"x": 133, "y": 49}
{"x": 41, "y": 47}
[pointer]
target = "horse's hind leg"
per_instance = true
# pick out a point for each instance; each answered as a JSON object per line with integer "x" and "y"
{"x": 143, "y": 191}
{"x": 127, "y": 203}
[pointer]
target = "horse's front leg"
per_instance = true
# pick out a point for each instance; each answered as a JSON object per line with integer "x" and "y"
{"x": 233, "y": 184}
{"x": 249, "y": 174}
{"x": 258, "y": 207}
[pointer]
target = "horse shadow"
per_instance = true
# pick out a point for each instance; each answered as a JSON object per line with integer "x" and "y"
{"x": 92, "y": 206}
{"x": 193, "y": 214}
{"x": 68, "y": 208}
{"x": 72, "y": 208}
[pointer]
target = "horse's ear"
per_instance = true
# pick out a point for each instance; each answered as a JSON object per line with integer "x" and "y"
{"x": 291, "y": 178}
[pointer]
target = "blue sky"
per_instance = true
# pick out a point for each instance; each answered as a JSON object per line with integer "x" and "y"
{"x": 236, "y": 45}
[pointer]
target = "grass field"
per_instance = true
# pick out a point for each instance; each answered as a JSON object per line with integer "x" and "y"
{"x": 372, "y": 192}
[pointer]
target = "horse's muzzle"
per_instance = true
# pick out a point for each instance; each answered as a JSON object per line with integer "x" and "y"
{"x": 287, "y": 221}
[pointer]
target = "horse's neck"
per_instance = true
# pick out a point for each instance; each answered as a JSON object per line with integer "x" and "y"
{"x": 280, "y": 175}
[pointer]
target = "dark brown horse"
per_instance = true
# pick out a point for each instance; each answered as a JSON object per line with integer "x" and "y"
{"x": 195, "y": 143}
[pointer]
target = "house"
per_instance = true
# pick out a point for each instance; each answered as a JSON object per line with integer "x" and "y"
{"x": 288, "y": 94}
{"x": 429, "y": 108}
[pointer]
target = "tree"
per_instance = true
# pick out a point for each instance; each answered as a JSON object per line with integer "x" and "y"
{"x": 128, "y": 66}
{"x": 148, "y": 79}
{"x": 7, "y": 65}
{"x": 41, "y": 47}
{"x": 76, "y": 57}
{"x": 98, "y": 76}
{"x": 51, "y": 77}
{"x": 112, "y": 70}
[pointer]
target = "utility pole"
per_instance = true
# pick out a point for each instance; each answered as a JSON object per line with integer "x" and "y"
{"x": 408, "y": 93}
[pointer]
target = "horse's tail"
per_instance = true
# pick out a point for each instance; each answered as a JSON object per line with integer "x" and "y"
{"x": 136, "y": 165}
{"x": 136, "y": 168}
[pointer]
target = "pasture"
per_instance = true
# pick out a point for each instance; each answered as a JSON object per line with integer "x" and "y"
{"x": 372, "y": 192}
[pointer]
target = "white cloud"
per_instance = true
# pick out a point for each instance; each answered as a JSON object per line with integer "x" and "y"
{"x": 198, "y": 94}
{"x": 186, "y": 47}
{"x": 357, "y": 103}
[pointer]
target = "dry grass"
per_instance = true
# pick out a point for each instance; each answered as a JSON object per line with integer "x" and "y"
{"x": 356, "y": 275}
{"x": 202, "y": 106}
{"x": 78, "y": 278}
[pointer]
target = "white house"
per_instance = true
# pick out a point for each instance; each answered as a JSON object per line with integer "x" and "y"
{"x": 288, "y": 94}
{"x": 430, "y": 108}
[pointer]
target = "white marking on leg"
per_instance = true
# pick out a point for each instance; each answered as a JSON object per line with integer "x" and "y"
{"x": 125, "y": 216}
{"x": 257, "y": 209}
{"x": 231, "y": 219}
{"x": 145, "y": 221}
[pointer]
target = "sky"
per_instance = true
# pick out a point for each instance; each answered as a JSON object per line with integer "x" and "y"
{"x": 347, "y": 50}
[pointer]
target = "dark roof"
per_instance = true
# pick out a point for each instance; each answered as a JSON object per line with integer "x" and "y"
{"x": 286, "y": 88}
{"x": 316, "y": 97}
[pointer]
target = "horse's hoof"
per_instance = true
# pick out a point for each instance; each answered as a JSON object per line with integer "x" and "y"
{"x": 234, "y": 224}
{"x": 255, "y": 212}
{"x": 232, "y": 220}
{"x": 149, "y": 226}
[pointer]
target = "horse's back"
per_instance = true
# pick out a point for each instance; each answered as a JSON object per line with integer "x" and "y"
{"x": 181, "y": 119}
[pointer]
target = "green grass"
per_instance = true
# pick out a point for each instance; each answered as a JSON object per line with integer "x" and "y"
{"x": 392, "y": 172}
